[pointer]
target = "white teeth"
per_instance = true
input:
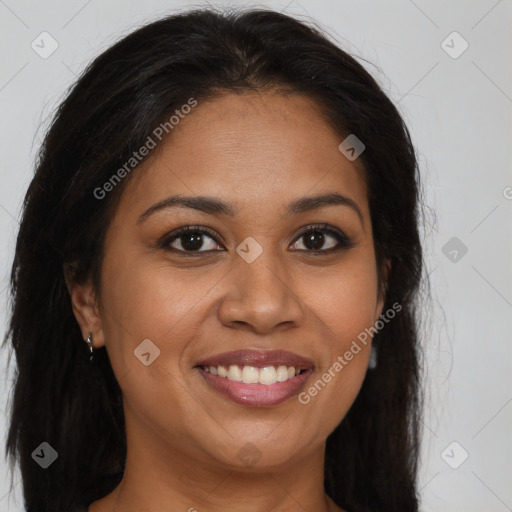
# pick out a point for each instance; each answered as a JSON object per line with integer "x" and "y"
{"x": 282, "y": 374}
{"x": 249, "y": 375}
{"x": 235, "y": 373}
{"x": 267, "y": 375}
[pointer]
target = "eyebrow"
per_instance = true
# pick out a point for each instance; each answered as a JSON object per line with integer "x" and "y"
{"x": 214, "y": 206}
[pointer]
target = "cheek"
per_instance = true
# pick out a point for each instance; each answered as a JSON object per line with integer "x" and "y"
{"x": 344, "y": 304}
{"x": 147, "y": 300}
{"x": 144, "y": 301}
{"x": 343, "y": 299}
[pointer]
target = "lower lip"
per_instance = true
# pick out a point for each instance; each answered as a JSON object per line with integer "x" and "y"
{"x": 257, "y": 395}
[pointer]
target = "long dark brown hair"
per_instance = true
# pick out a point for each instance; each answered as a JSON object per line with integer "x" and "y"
{"x": 371, "y": 457}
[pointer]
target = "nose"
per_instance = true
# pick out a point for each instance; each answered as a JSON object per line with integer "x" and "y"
{"x": 260, "y": 296}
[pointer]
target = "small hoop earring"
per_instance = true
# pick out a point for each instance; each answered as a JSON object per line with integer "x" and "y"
{"x": 91, "y": 349}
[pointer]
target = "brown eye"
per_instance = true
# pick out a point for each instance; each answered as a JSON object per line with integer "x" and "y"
{"x": 319, "y": 239}
{"x": 190, "y": 239}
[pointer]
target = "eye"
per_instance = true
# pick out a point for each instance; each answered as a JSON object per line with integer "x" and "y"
{"x": 191, "y": 239}
{"x": 320, "y": 239}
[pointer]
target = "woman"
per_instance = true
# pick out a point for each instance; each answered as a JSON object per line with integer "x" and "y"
{"x": 215, "y": 280}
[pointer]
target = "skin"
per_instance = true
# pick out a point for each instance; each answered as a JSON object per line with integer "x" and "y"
{"x": 258, "y": 151}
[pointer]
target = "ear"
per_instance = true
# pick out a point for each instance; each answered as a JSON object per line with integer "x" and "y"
{"x": 85, "y": 309}
{"x": 382, "y": 289}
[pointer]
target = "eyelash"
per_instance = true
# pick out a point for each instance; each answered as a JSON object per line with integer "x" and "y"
{"x": 343, "y": 240}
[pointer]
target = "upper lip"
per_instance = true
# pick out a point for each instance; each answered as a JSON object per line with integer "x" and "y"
{"x": 258, "y": 358}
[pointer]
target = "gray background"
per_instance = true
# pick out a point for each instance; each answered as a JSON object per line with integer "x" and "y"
{"x": 459, "y": 113}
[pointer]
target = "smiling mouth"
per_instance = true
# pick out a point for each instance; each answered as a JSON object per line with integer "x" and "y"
{"x": 258, "y": 378}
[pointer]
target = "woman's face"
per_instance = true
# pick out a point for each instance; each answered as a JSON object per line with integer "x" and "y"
{"x": 252, "y": 286}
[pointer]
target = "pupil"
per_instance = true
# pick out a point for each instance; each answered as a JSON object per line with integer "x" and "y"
{"x": 192, "y": 242}
{"x": 316, "y": 239}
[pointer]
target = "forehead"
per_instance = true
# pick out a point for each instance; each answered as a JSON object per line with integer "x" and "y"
{"x": 253, "y": 150}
